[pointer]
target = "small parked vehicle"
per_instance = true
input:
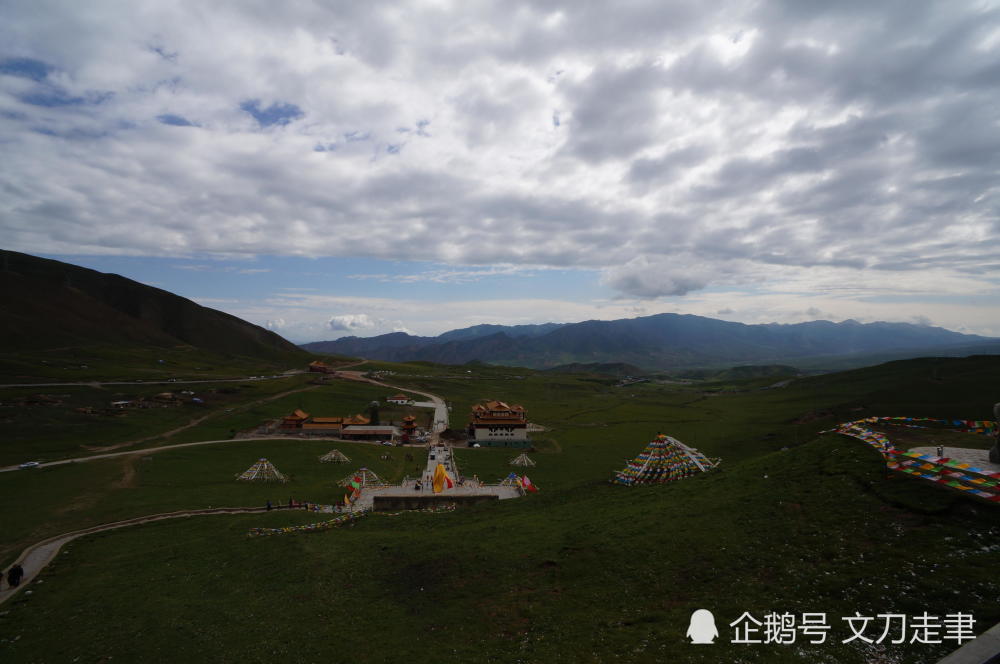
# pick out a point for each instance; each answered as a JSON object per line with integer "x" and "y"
{"x": 28, "y": 464}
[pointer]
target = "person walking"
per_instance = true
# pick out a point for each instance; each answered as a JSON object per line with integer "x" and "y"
{"x": 14, "y": 575}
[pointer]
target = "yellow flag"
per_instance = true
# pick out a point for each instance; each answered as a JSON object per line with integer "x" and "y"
{"x": 441, "y": 479}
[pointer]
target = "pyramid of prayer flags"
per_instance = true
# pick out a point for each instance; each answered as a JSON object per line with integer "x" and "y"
{"x": 335, "y": 456}
{"x": 665, "y": 459}
{"x": 262, "y": 471}
{"x": 511, "y": 480}
{"x": 522, "y": 460}
{"x": 362, "y": 478}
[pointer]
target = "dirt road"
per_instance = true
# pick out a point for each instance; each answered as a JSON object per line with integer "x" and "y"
{"x": 440, "y": 408}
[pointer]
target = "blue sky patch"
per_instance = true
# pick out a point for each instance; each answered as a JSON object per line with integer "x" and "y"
{"x": 74, "y": 134}
{"x": 36, "y": 70}
{"x": 278, "y": 113}
{"x": 175, "y": 120}
{"x": 53, "y": 97}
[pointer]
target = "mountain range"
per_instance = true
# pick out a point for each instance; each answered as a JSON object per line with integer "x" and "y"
{"x": 48, "y": 304}
{"x": 659, "y": 342}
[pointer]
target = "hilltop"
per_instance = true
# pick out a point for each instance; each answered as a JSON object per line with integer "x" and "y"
{"x": 49, "y": 304}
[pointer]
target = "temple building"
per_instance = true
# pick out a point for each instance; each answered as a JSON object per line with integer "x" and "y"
{"x": 301, "y": 422}
{"x": 295, "y": 420}
{"x": 496, "y": 424}
{"x": 330, "y": 426}
{"x": 321, "y": 367}
{"x": 400, "y": 399}
{"x": 409, "y": 427}
{"x": 380, "y": 432}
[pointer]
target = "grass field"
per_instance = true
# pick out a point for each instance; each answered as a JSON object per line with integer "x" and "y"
{"x": 111, "y": 363}
{"x": 50, "y": 432}
{"x": 582, "y": 572}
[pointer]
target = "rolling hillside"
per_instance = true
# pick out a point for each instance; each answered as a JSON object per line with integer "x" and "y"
{"x": 48, "y": 304}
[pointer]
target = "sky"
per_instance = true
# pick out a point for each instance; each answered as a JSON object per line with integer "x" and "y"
{"x": 356, "y": 168}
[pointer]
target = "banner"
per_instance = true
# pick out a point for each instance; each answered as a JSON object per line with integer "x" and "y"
{"x": 961, "y": 476}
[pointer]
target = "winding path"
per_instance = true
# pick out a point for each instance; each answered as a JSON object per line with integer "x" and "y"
{"x": 440, "y": 408}
{"x": 34, "y": 558}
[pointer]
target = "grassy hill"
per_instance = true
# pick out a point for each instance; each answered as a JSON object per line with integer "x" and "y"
{"x": 582, "y": 572}
{"x": 50, "y": 306}
{"x": 609, "y": 369}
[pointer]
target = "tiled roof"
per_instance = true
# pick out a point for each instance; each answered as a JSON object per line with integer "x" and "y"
{"x": 510, "y": 421}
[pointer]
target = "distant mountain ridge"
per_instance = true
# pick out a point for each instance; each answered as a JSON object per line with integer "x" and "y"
{"x": 48, "y": 303}
{"x": 662, "y": 341}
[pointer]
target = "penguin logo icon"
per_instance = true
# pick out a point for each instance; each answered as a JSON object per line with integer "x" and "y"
{"x": 702, "y": 628}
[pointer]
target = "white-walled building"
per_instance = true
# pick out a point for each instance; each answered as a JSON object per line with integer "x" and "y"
{"x": 496, "y": 424}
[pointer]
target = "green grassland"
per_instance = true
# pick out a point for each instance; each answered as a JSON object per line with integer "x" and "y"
{"x": 130, "y": 362}
{"x": 48, "y": 432}
{"x": 51, "y": 432}
{"x": 58, "y": 499}
{"x": 591, "y": 574}
{"x": 583, "y": 571}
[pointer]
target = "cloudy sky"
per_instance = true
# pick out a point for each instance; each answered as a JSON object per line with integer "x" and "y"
{"x": 331, "y": 168}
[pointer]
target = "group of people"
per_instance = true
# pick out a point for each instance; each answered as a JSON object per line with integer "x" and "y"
{"x": 14, "y": 576}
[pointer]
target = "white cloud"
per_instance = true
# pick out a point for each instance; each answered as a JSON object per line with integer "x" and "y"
{"x": 352, "y": 322}
{"x": 356, "y": 324}
{"x": 450, "y": 276}
{"x": 645, "y": 278}
{"x": 793, "y": 147}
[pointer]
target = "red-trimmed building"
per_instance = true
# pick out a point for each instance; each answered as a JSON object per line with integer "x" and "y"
{"x": 295, "y": 420}
{"x": 409, "y": 427}
{"x": 497, "y": 424}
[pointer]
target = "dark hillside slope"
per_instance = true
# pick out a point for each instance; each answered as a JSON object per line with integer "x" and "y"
{"x": 47, "y": 303}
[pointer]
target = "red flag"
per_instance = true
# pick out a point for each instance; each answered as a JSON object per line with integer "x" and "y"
{"x": 526, "y": 483}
